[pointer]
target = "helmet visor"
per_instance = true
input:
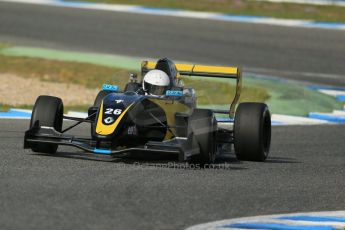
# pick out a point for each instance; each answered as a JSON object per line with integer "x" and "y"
{"x": 155, "y": 89}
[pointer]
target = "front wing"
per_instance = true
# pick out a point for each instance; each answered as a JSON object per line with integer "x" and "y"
{"x": 183, "y": 147}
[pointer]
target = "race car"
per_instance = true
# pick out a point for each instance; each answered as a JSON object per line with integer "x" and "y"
{"x": 157, "y": 114}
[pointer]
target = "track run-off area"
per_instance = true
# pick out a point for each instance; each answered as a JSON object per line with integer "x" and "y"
{"x": 73, "y": 190}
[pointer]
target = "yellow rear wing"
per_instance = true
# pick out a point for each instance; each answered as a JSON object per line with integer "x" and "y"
{"x": 207, "y": 71}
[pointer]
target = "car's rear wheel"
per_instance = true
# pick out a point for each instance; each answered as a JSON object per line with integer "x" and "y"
{"x": 204, "y": 127}
{"x": 252, "y": 131}
{"x": 47, "y": 111}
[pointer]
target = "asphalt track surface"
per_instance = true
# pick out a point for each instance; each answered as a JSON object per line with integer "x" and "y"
{"x": 308, "y": 55}
{"x": 70, "y": 190}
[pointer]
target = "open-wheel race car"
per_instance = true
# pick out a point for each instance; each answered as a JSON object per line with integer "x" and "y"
{"x": 157, "y": 115}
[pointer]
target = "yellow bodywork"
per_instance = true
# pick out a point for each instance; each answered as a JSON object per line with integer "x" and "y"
{"x": 103, "y": 129}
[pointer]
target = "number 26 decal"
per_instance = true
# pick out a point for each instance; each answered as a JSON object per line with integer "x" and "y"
{"x": 113, "y": 111}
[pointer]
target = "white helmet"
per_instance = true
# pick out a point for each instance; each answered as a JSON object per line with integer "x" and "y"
{"x": 156, "y": 82}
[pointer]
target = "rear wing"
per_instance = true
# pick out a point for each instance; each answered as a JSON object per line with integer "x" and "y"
{"x": 207, "y": 71}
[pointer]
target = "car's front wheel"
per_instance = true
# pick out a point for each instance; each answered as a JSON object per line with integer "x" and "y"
{"x": 47, "y": 111}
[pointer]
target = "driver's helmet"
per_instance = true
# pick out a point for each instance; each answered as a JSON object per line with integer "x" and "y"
{"x": 156, "y": 82}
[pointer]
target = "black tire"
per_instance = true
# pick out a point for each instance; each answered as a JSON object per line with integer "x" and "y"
{"x": 252, "y": 131}
{"x": 204, "y": 126}
{"x": 47, "y": 111}
{"x": 100, "y": 97}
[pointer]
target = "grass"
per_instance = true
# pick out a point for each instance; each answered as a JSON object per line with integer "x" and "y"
{"x": 246, "y": 7}
{"x": 4, "y": 45}
{"x": 294, "y": 99}
{"x": 4, "y": 108}
{"x": 283, "y": 97}
{"x": 217, "y": 92}
{"x": 93, "y": 76}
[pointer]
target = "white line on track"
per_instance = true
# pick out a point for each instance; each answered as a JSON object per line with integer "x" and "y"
{"x": 287, "y": 221}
